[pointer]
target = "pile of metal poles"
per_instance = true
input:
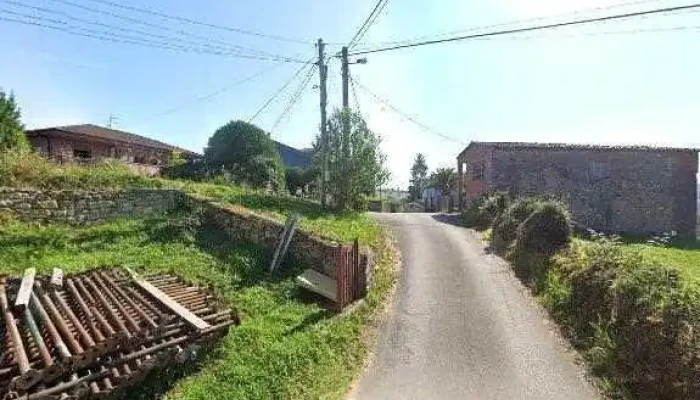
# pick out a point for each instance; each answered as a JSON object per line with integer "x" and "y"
{"x": 96, "y": 333}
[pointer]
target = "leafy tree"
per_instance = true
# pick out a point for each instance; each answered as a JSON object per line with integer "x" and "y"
{"x": 356, "y": 166}
{"x": 419, "y": 173}
{"x": 300, "y": 178}
{"x": 247, "y": 154}
{"x": 444, "y": 180}
{"x": 12, "y": 135}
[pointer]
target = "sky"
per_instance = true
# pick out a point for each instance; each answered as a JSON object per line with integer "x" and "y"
{"x": 622, "y": 82}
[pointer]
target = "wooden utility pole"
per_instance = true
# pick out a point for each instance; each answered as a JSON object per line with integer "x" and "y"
{"x": 323, "y": 74}
{"x": 345, "y": 72}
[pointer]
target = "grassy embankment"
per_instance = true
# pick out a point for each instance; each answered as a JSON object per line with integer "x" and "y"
{"x": 286, "y": 347}
{"x": 632, "y": 308}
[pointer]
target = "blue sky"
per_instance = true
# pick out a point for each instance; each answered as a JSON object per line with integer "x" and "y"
{"x": 618, "y": 82}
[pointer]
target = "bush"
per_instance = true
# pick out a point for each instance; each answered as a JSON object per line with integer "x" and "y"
{"x": 482, "y": 212}
{"x": 546, "y": 231}
{"x": 636, "y": 322}
{"x": 505, "y": 225}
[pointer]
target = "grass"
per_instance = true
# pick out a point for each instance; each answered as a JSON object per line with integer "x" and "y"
{"x": 343, "y": 227}
{"x": 287, "y": 346}
{"x": 685, "y": 257}
{"x": 33, "y": 171}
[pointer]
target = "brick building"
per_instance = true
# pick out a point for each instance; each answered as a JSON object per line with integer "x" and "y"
{"x": 87, "y": 143}
{"x": 629, "y": 189}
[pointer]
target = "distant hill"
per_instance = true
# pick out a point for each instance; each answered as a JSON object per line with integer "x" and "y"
{"x": 294, "y": 158}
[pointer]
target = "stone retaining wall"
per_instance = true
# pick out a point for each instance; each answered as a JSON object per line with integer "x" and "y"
{"x": 77, "y": 207}
{"x": 242, "y": 225}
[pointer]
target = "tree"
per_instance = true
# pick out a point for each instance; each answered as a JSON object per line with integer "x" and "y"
{"x": 247, "y": 154}
{"x": 444, "y": 180}
{"x": 357, "y": 169}
{"x": 300, "y": 178}
{"x": 419, "y": 173}
{"x": 12, "y": 135}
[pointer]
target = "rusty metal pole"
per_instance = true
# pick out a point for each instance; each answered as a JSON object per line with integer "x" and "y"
{"x": 29, "y": 377}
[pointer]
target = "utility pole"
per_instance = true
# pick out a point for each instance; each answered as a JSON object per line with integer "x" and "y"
{"x": 323, "y": 74}
{"x": 345, "y": 71}
{"x": 112, "y": 118}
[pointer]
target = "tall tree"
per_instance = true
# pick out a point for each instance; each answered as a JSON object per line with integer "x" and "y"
{"x": 419, "y": 173}
{"x": 12, "y": 135}
{"x": 358, "y": 170}
{"x": 247, "y": 153}
{"x": 444, "y": 180}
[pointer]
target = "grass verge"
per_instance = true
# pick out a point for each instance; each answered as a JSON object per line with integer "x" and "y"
{"x": 286, "y": 347}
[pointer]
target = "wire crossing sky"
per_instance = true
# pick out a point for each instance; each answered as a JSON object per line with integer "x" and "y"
{"x": 176, "y": 71}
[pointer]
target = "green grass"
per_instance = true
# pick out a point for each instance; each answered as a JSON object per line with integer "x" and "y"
{"x": 343, "y": 227}
{"x": 34, "y": 171}
{"x": 681, "y": 255}
{"x": 287, "y": 346}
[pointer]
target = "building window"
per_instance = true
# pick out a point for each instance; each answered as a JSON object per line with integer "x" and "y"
{"x": 478, "y": 170}
{"x": 597, "y": 171}
{"x": 82, "y": 154}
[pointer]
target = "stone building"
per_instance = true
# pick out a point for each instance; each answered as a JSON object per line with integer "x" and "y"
{"x": 88, "y": 143}
{"x": 628, "y": 189}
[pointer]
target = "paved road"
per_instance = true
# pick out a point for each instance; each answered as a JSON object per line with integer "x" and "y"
{"x": 462, "y": 327}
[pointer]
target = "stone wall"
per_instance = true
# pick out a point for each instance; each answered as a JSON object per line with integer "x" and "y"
{"x": 627, "y": 191}
{"x": 242, "y": 225}
{"x": 78, "y": 207}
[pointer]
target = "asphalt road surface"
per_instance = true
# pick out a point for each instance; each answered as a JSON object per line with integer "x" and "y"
{"x": 463, "y": 327}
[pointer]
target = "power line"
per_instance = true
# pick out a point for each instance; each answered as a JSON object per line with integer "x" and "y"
{"x": 368, "y": 22}
{"x": 354, "y": 94}
{"x": 294, "y": 99}
{"x": 128, "y": 30}
{"x": 201, "y": 23}
{"x": 405, "y": 115}
{"x": 279, "y": 91}
{"x": 212, "y": 94}
{"x": 621, "y": 32}
{"x": 147, "y": 23}
{"x": 532, "y": 28}
{"x": 516, "y": 22}
{"x": 65, "y": 27}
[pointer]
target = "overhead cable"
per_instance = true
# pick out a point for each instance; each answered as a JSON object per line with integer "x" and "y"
{"x": 531, "y": 28}
{"x": 296, "y": 96}
{"x": 371, "y": 18}
{"x": 201, "y": 23}
{"x": 146, "y": 23}
{"x": 63, "y": 26}
{"x": 279, "y": 91}
{"x": 405, "y": 115}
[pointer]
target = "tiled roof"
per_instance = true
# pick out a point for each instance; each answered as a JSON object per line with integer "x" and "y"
{"x": 100, "y": 132}
{"x": 292, "y": 157}
{"x": 571, "y": 146}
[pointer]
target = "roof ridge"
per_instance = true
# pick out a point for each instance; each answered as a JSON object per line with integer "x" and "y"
{"x": 579, "y": 146}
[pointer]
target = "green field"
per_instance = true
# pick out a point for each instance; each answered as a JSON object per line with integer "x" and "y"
{"x": 287, "y": 345}
{"x": 683, "y": 256}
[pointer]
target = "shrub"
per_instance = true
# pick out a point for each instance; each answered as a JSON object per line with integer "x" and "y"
{"x": 482, "y": 212}
{"x": 505, "y": 225}
{"x": 637, "y": 323}
{"x": 546, "y": 231}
